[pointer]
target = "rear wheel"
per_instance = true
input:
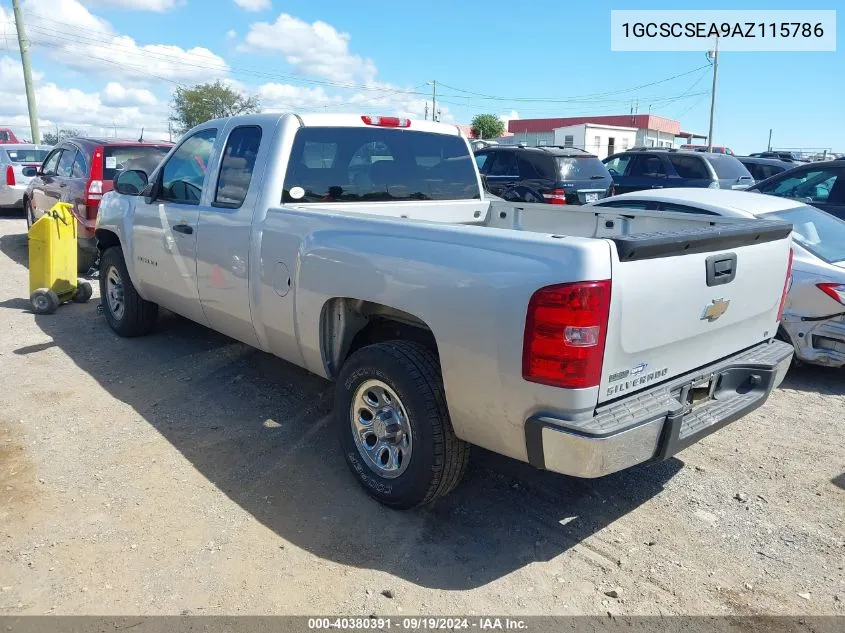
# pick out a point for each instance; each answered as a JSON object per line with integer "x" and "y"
{"x": 83, "y": 291}
{"x": 394, "y": 424}
{"x": 126, "y": 312}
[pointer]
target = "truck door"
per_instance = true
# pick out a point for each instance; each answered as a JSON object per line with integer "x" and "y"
{"x": 225, "y": 226}
{"x": 164, "y": 233}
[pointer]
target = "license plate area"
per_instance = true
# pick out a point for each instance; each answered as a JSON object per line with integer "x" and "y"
{"x": 591, "y": 197}
{"x": 698, "y": 393}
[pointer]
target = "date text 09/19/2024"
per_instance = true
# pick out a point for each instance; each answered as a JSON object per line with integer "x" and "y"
{"x": 419, "y": 623}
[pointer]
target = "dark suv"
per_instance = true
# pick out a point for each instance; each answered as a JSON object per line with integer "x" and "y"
{"x": 664, "y": 168}
{"x": 556, "y": 175}
{"x": 80, "y": 171}
{"x": 819, "y": 184}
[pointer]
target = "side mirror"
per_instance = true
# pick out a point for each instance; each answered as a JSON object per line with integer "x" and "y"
{"x": 29, "y": 172}
{"x": 131, "y": 182}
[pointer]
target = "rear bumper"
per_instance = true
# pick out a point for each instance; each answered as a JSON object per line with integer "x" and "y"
{"x": 818, "y": 342}
{"x": 12, "y": 195}
{"x": 654, "y": 424}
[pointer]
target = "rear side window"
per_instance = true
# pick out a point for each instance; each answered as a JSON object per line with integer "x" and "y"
{"x": 78, "y": 170}
{"x": 527, "y": 169}
{"x": 26, "y": 155}
{"x": 236, "y": 166}
{"x": 728, "y": 167}
{"x": 691, "y": 167}
{"x": 581, "y": 168}
{"x": 378, "y": 164}
{"x": 120, "y": 157}
{"x": 647, "y": 165}
{"x": 503, "y": 164}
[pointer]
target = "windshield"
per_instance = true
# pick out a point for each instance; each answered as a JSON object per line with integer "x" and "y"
{"x": 728, "y": 167}
{"x": 27, "y": 155}
{"x": 577, "y": 168}
{"x": 819, "y": 232}
{"x": 117, "y": 156}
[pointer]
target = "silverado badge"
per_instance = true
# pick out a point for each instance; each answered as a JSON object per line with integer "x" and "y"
{"x": 715, "y": 309}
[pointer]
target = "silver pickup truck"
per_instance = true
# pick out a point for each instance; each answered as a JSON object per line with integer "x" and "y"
{"x": 365, "y": 249}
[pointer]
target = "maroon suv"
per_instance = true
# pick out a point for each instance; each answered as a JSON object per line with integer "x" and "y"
{"x": 80, "y": 171}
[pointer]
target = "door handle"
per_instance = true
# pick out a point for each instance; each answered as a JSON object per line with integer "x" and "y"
{"x": 63, "y": 185}
{"x": 183, "y": 228}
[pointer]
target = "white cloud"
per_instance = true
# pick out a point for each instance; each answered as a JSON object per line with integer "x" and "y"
{"x": 231, "y": 34}
{"x": 253, "y": 5}
{"x": 82, "y": 41}
{"x": 158, "y": 6}
{"x": 11, "y": 74}
{"x": 118, "y": 95}
{"x": 314, "y": 49}
{"x": 508, "y": 117}
{"x": 92, "y": 112}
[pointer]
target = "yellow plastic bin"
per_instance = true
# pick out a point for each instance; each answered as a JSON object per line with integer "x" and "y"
{"x": 52, "y": 261}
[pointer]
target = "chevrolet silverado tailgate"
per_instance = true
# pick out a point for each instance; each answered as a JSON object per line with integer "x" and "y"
{"x": 680, "y": 300}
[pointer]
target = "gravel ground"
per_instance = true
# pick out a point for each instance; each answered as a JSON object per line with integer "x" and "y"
{"x": 187, "y": 473}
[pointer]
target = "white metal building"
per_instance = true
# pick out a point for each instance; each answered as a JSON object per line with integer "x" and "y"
{"x": 598, "y": 139}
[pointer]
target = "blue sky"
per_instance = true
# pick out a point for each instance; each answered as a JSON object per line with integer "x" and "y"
{"x": 103, "y": 65}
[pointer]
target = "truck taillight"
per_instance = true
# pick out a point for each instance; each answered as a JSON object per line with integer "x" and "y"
{"x": 834, "y": 291}
{"x": 386, "y": 121}
{"x": 10, "y": 176}
{"x": 94, "y": 191}
{"x": 786, "y": 285}
{"x": 565, "y": 331}
{"x": 555, "y": 196}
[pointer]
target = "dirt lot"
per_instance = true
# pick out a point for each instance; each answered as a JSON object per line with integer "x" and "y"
{"x": 187, "y": 473}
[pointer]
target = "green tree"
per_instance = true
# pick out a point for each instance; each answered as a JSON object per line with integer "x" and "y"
{"x": 203, "y": 102}
{"x": 487, "y": 126}
{"x": 51, "y": 138}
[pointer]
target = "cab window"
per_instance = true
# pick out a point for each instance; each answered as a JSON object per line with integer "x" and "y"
{"x": 66, "y": 163}
{"x": 183, "y": 174}
{"x": 236, "y": 166}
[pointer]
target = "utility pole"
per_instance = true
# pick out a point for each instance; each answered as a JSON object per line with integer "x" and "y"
{"x": 27, "y": 73}
{"x": 426, "y": 110}
{"x": 433, "y": 100}
{"x": 169, "y": 132}
{"x": 769, "y": 149}
{"x": 713, "y": 95}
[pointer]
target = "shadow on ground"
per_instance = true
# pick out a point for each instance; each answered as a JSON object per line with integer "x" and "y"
{"x": 14, "y": 246}
{"x": 824, "y": 380}
{"x": 258, "y": 428}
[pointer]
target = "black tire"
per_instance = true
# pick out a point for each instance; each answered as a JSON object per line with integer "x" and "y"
{"x": 83, "y": 291}
{"x": 85, "y": 259}
{"x": 439, "y": 459}
{"x": 139, "y": 315}
{"x": 44, "y": 301}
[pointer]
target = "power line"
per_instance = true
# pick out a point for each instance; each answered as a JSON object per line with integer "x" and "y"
{"x": 576, "y": 98}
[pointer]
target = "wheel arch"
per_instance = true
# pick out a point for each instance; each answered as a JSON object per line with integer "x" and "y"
{"x": 348, "y": 324}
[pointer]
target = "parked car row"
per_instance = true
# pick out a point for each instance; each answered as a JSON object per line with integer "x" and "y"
{"x": 80, "y": 171}
{"x": 15, "y": 158}
{"x": 681, "y": 181}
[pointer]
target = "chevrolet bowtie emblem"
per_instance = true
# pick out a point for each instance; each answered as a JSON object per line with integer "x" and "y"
{"x": 715, "y": 309}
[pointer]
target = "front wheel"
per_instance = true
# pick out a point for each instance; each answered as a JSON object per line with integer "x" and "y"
{"x": 394, "y": 424}
{"x": 126, "y": 312}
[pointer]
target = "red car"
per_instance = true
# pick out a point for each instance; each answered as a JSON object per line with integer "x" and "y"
{"x": 80, "y": 171}
{"x": 7, "y": 136}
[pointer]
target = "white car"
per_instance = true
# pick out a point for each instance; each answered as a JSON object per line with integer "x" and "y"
{"x": 814, "y": 317}
{"x": 14, "y": 157}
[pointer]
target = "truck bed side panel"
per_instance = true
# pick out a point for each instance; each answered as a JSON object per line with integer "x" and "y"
{"x": 470, "y": 285}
